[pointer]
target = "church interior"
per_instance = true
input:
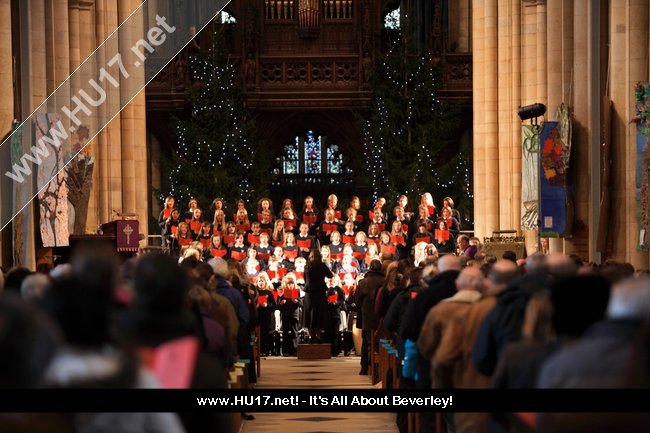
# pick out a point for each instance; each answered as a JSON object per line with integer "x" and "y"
{"x": 493, "y": 152}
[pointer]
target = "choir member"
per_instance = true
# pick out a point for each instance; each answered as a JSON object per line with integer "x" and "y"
{"x": 217, "y": 248}
{"x": 290, "y": 305}
{"x": 219, "y": 222}
{"x": 290, "y": 220}
{"x": 170, "y": 228}
{"x": 182, "y": 239}
{"x": 189, "y": 214}
{"x": 304, "y": 240}
{"x": 386, "y": 247}
{"x": 332, "y": 203}
{"x": 452, "y": 223}
{"x": 238, "y": 250}
{"x": 277, "y": 237}
{"x": 335, "y": 302}
{"x": 290, "y": 249}
{"x": 378, "y": 218}
{"x": 196, "y": 222}
{"x": 422, "y": 235}
{"x": 427, "y": 200}
{"x": 335, "y": 246}
{"x": 360, "y": 247}
{"x": 299, "y": 271}
{"x": 266, "y": 223}
{"x": 328, "y": 226}
{"x": 400, "y": 239}
{"x": 205, "y": 235}
{"x": 423, "y": 218}
{"x": 349, "y": 233}
{"x": 373, "y": 233}
{"x": 217, "y": 205}
{"x": 166, "y": 213}
{"x": 264, "y": 204}
{"x": 309, "y": 214}
{"x": 444, "y": 239}
{"x": 355, "y": 203}
{"x": 253, "y": 238}
{"x": 287, "y": 204}
{"x": 266, "y": 307}
{"x": 242, "y": 223}
{"x": 403, "y": 201}
{"x": 449, "y": 202}
{"x": 327, "y": 259}
{"x": 373, "y": 253}
{"x": 264, "y": 249}
{"x": 229, "y": 235}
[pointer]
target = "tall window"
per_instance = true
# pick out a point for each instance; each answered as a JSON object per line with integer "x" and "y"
{"x": 312, "y": 155}
{"x": 392, "y": 20}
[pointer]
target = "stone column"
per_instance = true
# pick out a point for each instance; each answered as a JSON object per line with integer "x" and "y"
{"x": 486, "y": 152}
{"x": 140, "y": 141}
{"x": 127, "y": 116}
{"x": 629, "y": 36}
{"x": 478, "y": 84}
{"x": 578, "y": 99}
{"x": 637, "y": 51}
{"x": 506, "y": 116}
{"x": 514, "y": 132}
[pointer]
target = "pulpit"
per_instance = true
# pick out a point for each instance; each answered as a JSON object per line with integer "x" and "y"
{"x": 121, "y": 235}
{"x": 124, "y": 233}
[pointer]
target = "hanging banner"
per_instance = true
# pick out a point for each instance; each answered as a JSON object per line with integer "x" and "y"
{"x": 554, "y": 156}
{"x": 642, "y": 178}
{"x": 529, "y": 177}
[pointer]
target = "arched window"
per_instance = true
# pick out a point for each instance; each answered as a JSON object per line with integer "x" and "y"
{"x": 392, "y": 20}
{"x": 312, "y": 155}
{"x": 226, "y": 18}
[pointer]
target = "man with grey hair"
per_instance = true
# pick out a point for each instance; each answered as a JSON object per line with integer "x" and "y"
{"x": 34, "y": 287}
{"x": 434, "y": 341}
{"x": 470, "y": 285}
{"x": 463, "y": 329}
{"x": 601, "y": 357}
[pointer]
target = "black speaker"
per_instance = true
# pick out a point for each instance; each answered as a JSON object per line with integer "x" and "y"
{"x": 531, "y": 111}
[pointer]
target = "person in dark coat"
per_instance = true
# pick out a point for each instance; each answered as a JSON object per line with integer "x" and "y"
{"x": 290, "y": 313}
{"x": 442, "y": 286}
{"x": 366, "y": 294}
{"x": 316, "y": 293}
{"x": 266, "y": 307}
{"x": 335, "y": 300}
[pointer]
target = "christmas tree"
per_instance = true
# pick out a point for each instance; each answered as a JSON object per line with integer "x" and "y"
{"x": 409, "y": 131}
{"x": 216, "y": 155}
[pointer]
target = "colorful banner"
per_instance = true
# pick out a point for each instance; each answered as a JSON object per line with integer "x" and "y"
{"x": 554, "y": 158}
{"x": 529, "y": 177}
{"x": 642, "y": 161}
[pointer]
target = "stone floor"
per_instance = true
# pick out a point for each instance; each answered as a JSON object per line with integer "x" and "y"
{"x": 340, "y": 372}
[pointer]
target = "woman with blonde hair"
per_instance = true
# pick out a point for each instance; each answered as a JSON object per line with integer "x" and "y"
{"x": 290, "y": 310}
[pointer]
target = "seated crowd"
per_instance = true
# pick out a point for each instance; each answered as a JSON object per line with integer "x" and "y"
{"x": 458, "y": 318}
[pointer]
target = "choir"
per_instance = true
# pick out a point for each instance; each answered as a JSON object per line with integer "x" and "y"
{"x": 273, "y": 249}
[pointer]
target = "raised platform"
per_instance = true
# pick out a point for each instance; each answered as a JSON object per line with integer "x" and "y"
{"x": 314, "y": 351}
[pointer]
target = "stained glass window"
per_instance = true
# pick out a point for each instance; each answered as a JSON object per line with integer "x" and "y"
{"x": 290, "y": 161}
{"x": 392, "y": 20}
{"x": 334, "y": 159}
{"x": 312, "y": 154}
